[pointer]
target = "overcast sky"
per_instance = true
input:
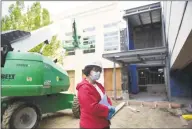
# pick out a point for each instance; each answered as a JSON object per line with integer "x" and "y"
{"x": 56, "y": 7}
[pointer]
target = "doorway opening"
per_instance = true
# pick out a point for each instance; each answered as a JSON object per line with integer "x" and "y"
{"x": 151, "y": 84}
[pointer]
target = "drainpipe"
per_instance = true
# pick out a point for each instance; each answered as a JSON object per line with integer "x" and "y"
{"x": 114, "y": 80}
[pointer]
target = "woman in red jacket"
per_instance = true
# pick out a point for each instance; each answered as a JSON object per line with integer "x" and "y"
{"x": 96, "y": 108}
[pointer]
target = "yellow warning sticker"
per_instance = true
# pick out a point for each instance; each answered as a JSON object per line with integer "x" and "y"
{"x": 57, "y": 78}
{"x": 29, "y": 79}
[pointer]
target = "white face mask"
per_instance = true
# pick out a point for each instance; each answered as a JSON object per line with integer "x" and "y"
{"x": 95, "y": 75}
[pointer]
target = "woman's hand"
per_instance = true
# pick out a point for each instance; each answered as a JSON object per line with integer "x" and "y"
{"x": 111, "y": 112}
{"x": 111, "y": 109}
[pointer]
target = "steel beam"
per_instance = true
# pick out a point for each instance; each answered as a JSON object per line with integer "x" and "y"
{"x": 167, "y": 75}
{"x": 135, "y": 13}
{"x": 116, "y": 61}
{"x": 151, "y": 65}
{"x": 143, "y": 8}
{"x": 131, "y": 61}
{"x": 144, "y": 57}
{"x": 148, "y": 51}
{"x": 128, "y": 59}
{"x": 145, "y": 62}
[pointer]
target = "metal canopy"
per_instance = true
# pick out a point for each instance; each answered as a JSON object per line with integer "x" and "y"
{"x": 144, "y": 15}
{"x": 142, "y": 57}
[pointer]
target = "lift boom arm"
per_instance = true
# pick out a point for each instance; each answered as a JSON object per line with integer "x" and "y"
{"x": 36, "y": 37}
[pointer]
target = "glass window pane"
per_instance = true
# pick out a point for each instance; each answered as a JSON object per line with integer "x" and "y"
{"x": 89, "y": 29}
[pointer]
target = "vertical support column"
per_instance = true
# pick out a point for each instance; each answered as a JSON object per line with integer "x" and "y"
{"x": 167, "y": 61}
{"x": 114, "y": 81}
{"x": 128, "y": 35}
{"x": 163, "y": 27}
{"x": 167, "y": 78}
{"x": 125, "y": 81}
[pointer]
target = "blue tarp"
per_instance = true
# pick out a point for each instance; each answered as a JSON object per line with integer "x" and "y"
{"x": 132, "y": 69}
{"x": 133, "y": 78}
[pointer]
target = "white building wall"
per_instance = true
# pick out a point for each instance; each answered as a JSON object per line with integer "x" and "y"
{"x": 97, "y": 17}
{"x": 178, "y": 25}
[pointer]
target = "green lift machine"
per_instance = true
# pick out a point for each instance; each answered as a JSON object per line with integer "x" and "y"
{"x": 32, "y": 84}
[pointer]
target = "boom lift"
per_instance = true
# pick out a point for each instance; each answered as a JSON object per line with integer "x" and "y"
{"x": 32, "y": 84}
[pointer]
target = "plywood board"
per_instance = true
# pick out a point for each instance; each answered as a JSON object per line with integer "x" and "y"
{"x": 108, "y": 79}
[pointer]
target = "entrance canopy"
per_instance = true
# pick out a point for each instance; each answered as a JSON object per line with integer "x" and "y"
{"x": 141, "y": 57}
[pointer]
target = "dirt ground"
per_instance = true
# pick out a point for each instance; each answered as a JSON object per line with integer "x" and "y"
{"x": 125, "y": 118}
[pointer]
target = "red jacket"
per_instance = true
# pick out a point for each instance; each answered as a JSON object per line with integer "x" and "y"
{"x": 93, "y": 114}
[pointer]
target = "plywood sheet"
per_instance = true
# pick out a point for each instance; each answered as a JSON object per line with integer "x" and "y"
{"x": 108, "y": 80}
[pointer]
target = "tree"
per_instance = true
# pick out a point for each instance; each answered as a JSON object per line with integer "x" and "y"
{"x": 35, "y": 13}
{"x": 35, "y": 18}
{"x": 45, "y": 17}
{"x": 49, "y": 50}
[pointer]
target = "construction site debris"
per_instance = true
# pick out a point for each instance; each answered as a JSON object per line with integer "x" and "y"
{"x": 125, "y": 118}
{"x": 118, "y": 107}
{"x": 170, "y": 111}
{"x": 184, "y": 122}
{"x": 133, "y": 109}
{"x": 159, "y": 104}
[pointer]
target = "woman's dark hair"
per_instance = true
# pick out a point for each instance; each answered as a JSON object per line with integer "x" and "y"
{"x": 88, "y": 69}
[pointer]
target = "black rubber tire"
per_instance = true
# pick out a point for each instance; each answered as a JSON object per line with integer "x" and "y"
{"x": 76, "y": 108}
{"x": 9, "y": 114}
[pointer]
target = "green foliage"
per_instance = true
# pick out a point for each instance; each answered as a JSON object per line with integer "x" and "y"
{"x": 34, "y": 18}
{"x": 45, "y": 17}
{"x": 37, "y": 48}
{"x": 50, "y": 49}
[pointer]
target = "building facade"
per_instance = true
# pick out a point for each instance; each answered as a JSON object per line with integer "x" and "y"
{"x": 150, "y": 31}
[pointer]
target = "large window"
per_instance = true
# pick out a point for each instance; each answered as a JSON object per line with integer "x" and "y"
{"x": 68, "y": 34}
{"x": 113, "y": 24}
{"x": 69, "y": 52}
{"x": 90, "y": 42}
{"x": 111, "y": 41}
{"x": 89, "y": 29}
{"x": 68, "y": 41}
